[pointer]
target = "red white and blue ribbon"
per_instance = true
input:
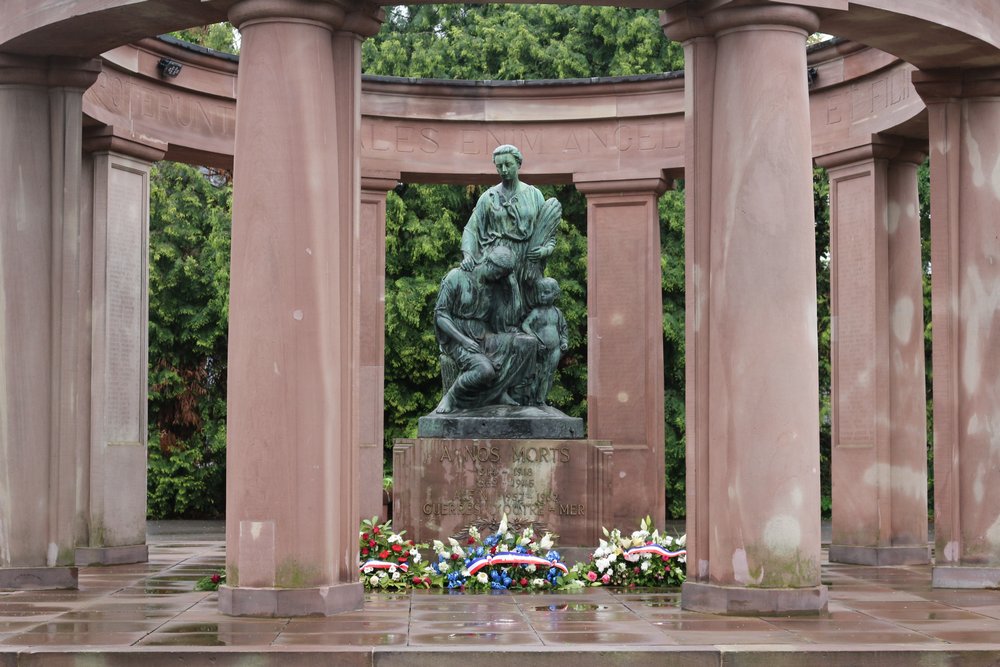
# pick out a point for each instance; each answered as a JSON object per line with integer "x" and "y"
{"x": 655, "y": 549}
{"x": 510, "y": 558}
{"x": 383, "y": 565}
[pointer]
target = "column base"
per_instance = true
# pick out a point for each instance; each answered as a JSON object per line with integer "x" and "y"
{"x": 38, "y": 578}
{"x": 965, "y": 576}
{"x": 741, "y": 601}
{"x": 880, "y": 556}
{"x": 136, "y": 553}
{"x": 285, "y": 602}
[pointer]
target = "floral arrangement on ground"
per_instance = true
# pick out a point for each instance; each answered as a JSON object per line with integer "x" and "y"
{"x": 518, "y": 560}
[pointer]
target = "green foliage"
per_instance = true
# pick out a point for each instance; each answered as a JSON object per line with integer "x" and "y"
{"x": 821, "y": 212}
{"x": 216, "y": 36}
{"x": 924, "y": 196}
{"x": 672, "y": 269}
{"x": 510, "y": 42}
{"x": 188, "y": 319}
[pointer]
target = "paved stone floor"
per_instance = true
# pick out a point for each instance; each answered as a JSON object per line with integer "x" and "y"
{"x": 149, "y": 613}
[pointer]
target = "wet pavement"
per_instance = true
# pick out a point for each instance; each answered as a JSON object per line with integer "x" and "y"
{"x": 119, "y": 612}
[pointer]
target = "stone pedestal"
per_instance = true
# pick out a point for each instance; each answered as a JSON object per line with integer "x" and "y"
{"x": 441, "y": 487}
{"x": 964, "y": 114}
{"x": 879, "y": 454}
{"x": 292, "y": 460}
{"x": 370, "y": 258}
{"x": 117, "y": 216}
{"x": 625, "y": 339}
{"x": 752, "y": 375}
{"x": 43, "y": 371}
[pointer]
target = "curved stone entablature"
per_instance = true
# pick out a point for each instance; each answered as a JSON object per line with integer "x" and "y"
{"x": 927, "y": 33}
{"x": 427, "y": 131}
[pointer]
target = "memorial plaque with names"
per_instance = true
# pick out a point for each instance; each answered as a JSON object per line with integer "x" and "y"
{"x": 441, "y": 487}
{"x": 125, "y": 329}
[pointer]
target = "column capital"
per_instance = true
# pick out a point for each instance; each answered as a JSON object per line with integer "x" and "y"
{"x": 361, "y": 17}
{"x": 326, "y": 13}
{"x": 944, "y": 84}
{"x": 686, "y": 21}
{"x": 607, "y": 184}
{"x": 364, "y": 18}
{"x": 113, "y": 139}
{"x": 53, "y": 72}
{"x": 379, "y": 180}
{"x": 881, "y": 147}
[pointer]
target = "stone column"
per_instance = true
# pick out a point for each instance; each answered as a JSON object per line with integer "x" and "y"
{"x": 625, "y": 340}
{"x": 41, "y": 367}
{"x": 371, "y": 349}
{"x": 964, "y": 119}
{"x": 752, "y": 376}
{"x": 117, "y": 223}
{"x": 292, "y": 460}
{"x": 879, "y": 452}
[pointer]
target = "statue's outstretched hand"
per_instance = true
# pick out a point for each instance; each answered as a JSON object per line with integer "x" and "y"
{"x": 468, "y": 263}
{"x": 539, "y": 252}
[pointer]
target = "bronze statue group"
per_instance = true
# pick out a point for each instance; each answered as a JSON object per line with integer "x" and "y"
{"x": 500, "y": 333}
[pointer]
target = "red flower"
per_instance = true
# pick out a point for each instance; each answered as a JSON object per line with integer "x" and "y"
{"x": 493, "y": 550}
{"x": 384, "y": 554}
{"x": 376, "y": 530}
{"x": 471, "y": 540}
{"x": 523, "y": 582}
{"x": 402, "y": 560}
{"x": 216, "y": 578}
{"x": 397, "y": 548}
{"x": 364, "y": 551}
{"x": 371, "y": 543}
{"x": 454, "y": 556}
{"x": 416, "y": 580}
{"x": 364, "y": 536}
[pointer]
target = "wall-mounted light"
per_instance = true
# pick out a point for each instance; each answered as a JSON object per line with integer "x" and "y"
{"x": 812, "y": 74}
{"x": 168, "y": 68}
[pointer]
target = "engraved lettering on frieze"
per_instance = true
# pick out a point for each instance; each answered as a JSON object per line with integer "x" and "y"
{"x": 184, "y": 111}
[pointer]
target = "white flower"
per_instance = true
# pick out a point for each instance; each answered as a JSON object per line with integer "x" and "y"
{"x": 374, "y": 580}
{"x": 502, "y": 528}
{"x": 683, "y": 558}
{"x": 626, "y": 543}
{"x": 368, "y": 570}
{"x": 682, "y": 540}
{"x": 443, "y": 566}
{"x": 667, "y": 541}
{"x": 602, "y": 564}
{"x": 438, "y": 546}
{"x": 644, "y": 566}
{"x": 621, "y": 567}
{"x": 474, "y": 532}
{"x": 395, "y": 575}
{"x": 531, "y": 568}
{"x": 392, "y": 568}
{"x": 546, "y": 542}
{"x": 639, "y": 536}
{"x": 482, "y": 578}
{"x": 395, "y": 538}
{"x": 415, "y": 555}
{"x": 538, "y": 583}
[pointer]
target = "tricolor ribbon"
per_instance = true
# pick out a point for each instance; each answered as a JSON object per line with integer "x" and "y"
{"x": 383, "y": 565}
{"x": 655, "y": 549}
{"x": 510, "y": 558}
